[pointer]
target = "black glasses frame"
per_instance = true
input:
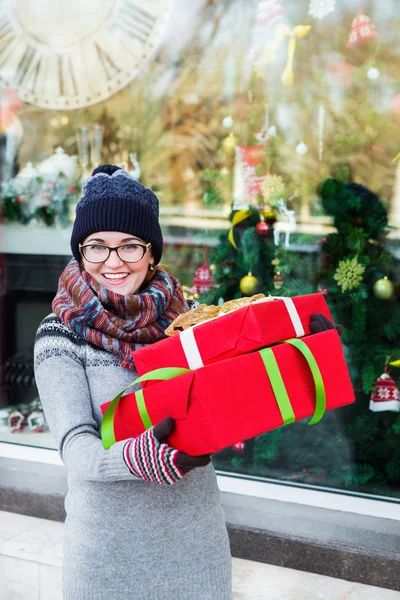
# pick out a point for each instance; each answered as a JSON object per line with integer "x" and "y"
{"x": 145, "y": 248}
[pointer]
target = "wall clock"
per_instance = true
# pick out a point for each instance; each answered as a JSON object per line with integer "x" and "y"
{"x": 69, "y": 54}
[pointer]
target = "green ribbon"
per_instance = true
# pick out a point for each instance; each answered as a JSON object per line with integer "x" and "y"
{"x": 274, "y": 374}
{"x": 107, "y": 425}
{"x": 279, "y": 388}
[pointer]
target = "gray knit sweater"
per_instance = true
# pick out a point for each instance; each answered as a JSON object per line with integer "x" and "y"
{"x": 125, "y": 539}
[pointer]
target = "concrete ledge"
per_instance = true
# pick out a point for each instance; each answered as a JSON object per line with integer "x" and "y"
{"x": 343, "y": 545}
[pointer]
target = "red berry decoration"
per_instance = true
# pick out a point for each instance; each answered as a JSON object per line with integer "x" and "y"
{"x": 262, "y": 228}
{"x": 239, "y": 447}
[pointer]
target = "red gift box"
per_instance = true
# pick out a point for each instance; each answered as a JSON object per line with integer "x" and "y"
{"x": 236, "y": 399}
{"x": 244, "y": 330}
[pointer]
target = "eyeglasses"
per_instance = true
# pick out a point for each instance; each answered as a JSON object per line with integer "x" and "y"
{"x": 98, "y": 253}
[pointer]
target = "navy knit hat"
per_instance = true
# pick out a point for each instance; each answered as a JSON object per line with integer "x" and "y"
{"x": 114, "y": 201}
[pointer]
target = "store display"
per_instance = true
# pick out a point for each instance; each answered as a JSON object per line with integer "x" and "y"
{"x": 44, "y": 194}
{"x": 17, "y": 418}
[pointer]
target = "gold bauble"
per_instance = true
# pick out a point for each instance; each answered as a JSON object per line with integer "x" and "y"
{"x": 229, "y": 144}
{"x": 383, "y": 289}
{"x": 249, "y": 284}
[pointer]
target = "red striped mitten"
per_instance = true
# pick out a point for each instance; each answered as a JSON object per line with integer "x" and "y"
{"x": 149, "y": 457}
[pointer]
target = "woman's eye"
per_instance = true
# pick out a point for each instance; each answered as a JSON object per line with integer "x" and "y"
{"x": 130, "y": 247}
{"x": 98, "y": 248}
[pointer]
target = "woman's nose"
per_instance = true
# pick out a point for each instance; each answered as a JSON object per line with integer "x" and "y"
{"x": 114, "y": 260}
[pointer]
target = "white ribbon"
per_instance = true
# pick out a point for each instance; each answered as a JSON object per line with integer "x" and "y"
{"x": 293, "y": 314}
{"x": 191, "y": 348}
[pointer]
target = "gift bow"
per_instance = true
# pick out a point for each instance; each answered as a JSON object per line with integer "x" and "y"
{"x": 274, "y": 374}
{"x": 282, "y": 31}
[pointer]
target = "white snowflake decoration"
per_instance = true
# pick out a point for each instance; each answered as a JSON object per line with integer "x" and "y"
{"x": 384, "y": 393}
{"x": 319, "y": 9}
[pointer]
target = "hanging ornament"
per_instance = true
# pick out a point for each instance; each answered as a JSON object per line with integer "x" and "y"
{"x": 265, "y": 133}
{"x": 318, "y": 9}
{"x": 362, "y": 30}
{"x": 229, "y": 144}
{"x": 349, "y": 274}
{"x": 383, "y": 288}
{"x": 239, "y": 447}
{"x": 278, "y": 280}
{"x": 385, "y": 395}
{"x": 281, "y": 32}
{"x": 321, "y": 125}
{"x": 203, "y": 281}
{"x": 262, "y": 228}
{"x": 228, "y": 122}
{"x": 275, "y": 261}
{"x": 249, "y": 284}
{"x": 301, "y": 149}
{"x": 373, "y": 73}
{"x": 322, "y": 290}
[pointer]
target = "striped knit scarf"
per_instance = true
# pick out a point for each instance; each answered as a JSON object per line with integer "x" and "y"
{"x": 118, "y": 324}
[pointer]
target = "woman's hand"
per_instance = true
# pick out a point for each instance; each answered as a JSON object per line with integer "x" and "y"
{"x": 320, "y": 322}
{"x": 149, "y": 457}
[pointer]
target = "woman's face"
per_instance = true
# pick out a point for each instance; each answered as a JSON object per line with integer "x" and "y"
{"x": 114, "y": 274}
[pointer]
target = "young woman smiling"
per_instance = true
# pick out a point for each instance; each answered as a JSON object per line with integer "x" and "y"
{"x": 143, "y": 519}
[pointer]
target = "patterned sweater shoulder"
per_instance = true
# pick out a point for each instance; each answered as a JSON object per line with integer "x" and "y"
{"x": 55, "y": 339}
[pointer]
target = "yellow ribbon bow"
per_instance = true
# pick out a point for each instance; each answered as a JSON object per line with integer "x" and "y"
{"x": 238, "y": 217}
{"x": 282, "y": 31}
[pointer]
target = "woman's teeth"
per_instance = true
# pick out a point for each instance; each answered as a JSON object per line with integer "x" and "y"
{"x": 119, "y": 276}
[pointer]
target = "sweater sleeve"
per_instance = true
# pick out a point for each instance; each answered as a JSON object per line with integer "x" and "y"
{"x": 65, "y": 396}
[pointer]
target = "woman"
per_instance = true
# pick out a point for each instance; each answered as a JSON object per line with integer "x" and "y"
{"x": 143, "y": 520}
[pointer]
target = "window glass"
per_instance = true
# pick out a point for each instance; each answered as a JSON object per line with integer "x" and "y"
{"x": 221, "y": 107}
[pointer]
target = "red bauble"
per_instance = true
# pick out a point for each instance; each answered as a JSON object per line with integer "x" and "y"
{"x": 262, "y": 228}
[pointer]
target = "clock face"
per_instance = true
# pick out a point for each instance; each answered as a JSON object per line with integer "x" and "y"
{"x": 69, "y": 54}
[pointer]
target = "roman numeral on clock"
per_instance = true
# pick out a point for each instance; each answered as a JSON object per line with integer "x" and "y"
{"x": 7, "y": 37}
{"x": 109, "y": 66}
{"x": 66, "y": 76}
{"x": 134, "y": 21}
{"x": 28, "y": 68}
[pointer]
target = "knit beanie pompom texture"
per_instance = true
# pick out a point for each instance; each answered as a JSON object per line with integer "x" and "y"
{"x": 112, "y": 200}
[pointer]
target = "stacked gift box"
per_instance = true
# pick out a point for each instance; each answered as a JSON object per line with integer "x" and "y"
{"x": 235, "y": 376}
